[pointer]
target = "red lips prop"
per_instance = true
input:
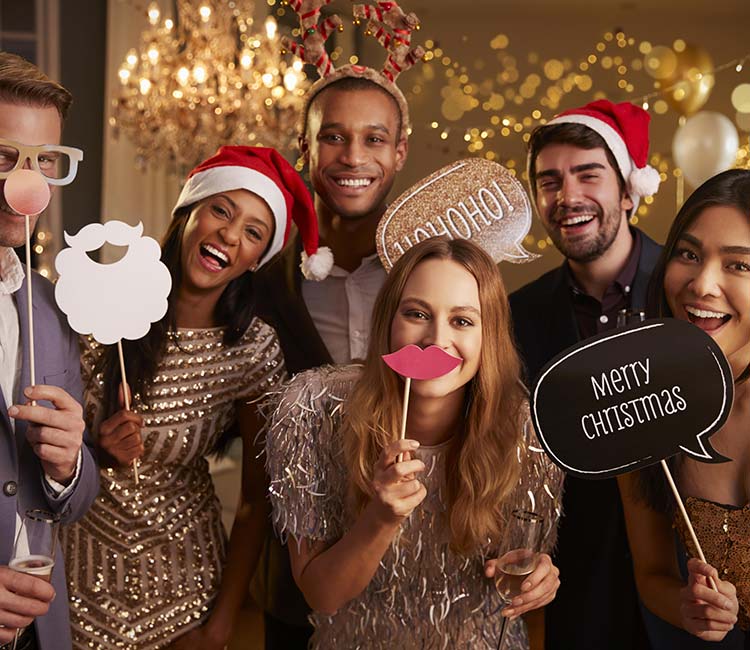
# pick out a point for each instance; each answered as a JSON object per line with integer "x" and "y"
{"x": 415, "y": 363}
{"x": 412, "y": 362}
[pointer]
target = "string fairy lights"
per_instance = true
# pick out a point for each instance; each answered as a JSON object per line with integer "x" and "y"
{"x": 511, "y": 104}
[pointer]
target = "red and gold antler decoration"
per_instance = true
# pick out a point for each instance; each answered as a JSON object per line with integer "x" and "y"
{"x": 312, "y": 49}
{"x": 386, "y": 21}
{"x": 392, "y": 28}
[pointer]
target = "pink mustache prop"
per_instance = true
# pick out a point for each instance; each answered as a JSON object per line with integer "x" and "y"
{"x": 412, "y": 362}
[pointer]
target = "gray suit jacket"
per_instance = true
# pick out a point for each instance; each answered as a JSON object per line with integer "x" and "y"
{"x": 22, "y": 484}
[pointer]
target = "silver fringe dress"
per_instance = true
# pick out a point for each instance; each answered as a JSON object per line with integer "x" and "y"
{"x": 145, "y": 564}
{"x": 423, "y": 595}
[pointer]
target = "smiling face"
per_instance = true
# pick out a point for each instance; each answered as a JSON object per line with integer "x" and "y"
{"x": 707, "y": 280}
{"x": 440, "y": 306}
{"x": 579, "y": 200}
{"x": 31, "y": 125}
{"x": 225, "y": 236}
{"x": 354, "y": 150}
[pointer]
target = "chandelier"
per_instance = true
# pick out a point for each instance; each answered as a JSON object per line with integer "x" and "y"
{"x": 203, "y": 79}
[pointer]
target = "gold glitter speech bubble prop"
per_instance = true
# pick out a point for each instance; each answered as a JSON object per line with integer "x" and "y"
{"x": 469, "y": 199}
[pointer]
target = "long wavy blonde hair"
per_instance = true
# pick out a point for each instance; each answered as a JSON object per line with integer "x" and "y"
{"x": 482, "y": 456}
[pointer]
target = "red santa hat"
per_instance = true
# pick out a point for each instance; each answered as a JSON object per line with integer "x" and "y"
{"x": 624, "y": 128}
{"x": 265, "y": 173}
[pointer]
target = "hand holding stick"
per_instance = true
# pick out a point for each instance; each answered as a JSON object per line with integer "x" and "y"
{"x": 707, "y": 613}
{"x": 126, "y": 399}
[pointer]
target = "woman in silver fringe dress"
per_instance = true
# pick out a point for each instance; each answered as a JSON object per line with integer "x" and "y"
{"x": 148, "y": 567}
{"x": 397, "y": 552}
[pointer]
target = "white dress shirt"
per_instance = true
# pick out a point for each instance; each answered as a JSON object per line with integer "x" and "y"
{"x": 11, "y": 279}
{"x": 341, "y": 307}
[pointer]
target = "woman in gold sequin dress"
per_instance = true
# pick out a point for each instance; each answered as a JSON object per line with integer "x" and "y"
{"x": 149, "y": 566}
{"x": 703, "y": 277}
{"x": 400, "y": 553}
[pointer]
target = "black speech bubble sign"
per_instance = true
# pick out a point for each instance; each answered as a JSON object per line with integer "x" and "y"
{"x": 627, "y": 399}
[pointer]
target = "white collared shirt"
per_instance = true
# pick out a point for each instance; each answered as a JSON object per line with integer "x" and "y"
{"x": 341, "y": 307}
{"x": 11, "y": 279}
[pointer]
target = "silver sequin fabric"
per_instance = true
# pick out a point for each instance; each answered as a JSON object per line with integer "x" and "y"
{"x": 424, "y": 595}
{"x": 144, "y": 566}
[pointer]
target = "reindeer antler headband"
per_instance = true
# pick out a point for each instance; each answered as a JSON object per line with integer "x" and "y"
{"x": 387, "y": 22}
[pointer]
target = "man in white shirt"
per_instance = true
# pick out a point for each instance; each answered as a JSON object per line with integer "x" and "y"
{"x": 44, "y": 463}
{"x": 354, "y": 144}
{"x": 354, "y": 138}
{"x": 354, "y": 141}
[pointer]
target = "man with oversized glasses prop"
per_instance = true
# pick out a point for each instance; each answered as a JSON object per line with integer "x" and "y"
{"x": 45, "y": 457}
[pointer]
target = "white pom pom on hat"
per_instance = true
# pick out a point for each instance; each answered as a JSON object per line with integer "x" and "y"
{"x": 264, "y": 172}
{"x": 318, "y": 265}
{"x": 644, "y": 181}
{"x": 624, "y": 127}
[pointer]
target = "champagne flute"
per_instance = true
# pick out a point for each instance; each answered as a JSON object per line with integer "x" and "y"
{"x": 524, "y": 538}
{"x": 34, "y": 549}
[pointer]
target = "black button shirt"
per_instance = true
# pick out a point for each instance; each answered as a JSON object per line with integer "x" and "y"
{"x": 594, "y": 316}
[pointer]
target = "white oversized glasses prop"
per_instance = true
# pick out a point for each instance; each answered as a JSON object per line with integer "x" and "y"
{"x": 57, "y": 163}
{"x": 112, "y": 301}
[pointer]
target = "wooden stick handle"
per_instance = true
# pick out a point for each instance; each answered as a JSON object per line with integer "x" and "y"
{"x": 688, "y": 523}
{"x": 404, "y": 413}
{"x": 126, "y": 398}
{"x": 30, "y": 304}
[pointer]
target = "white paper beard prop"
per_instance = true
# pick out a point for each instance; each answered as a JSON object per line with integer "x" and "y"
{"x": 112, "y": 301}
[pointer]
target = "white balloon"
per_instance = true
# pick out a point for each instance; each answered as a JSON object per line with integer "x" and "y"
{"x": 704, "y": 146}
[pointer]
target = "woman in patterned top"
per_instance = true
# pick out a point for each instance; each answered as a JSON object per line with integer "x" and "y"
{"x": 395, "y": 552}
{"x": 149, "y": 566}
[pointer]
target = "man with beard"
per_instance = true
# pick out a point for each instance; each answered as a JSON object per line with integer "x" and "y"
{"x": 587, "y": 171}
{"x": 45, "y": 460}
{"x": 354, "y": 139}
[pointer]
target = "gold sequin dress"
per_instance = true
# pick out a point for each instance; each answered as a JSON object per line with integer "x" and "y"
{"x": 144, "y": 565}
{"x": 724, "y": 535}
{"x": 423, "y": 595}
